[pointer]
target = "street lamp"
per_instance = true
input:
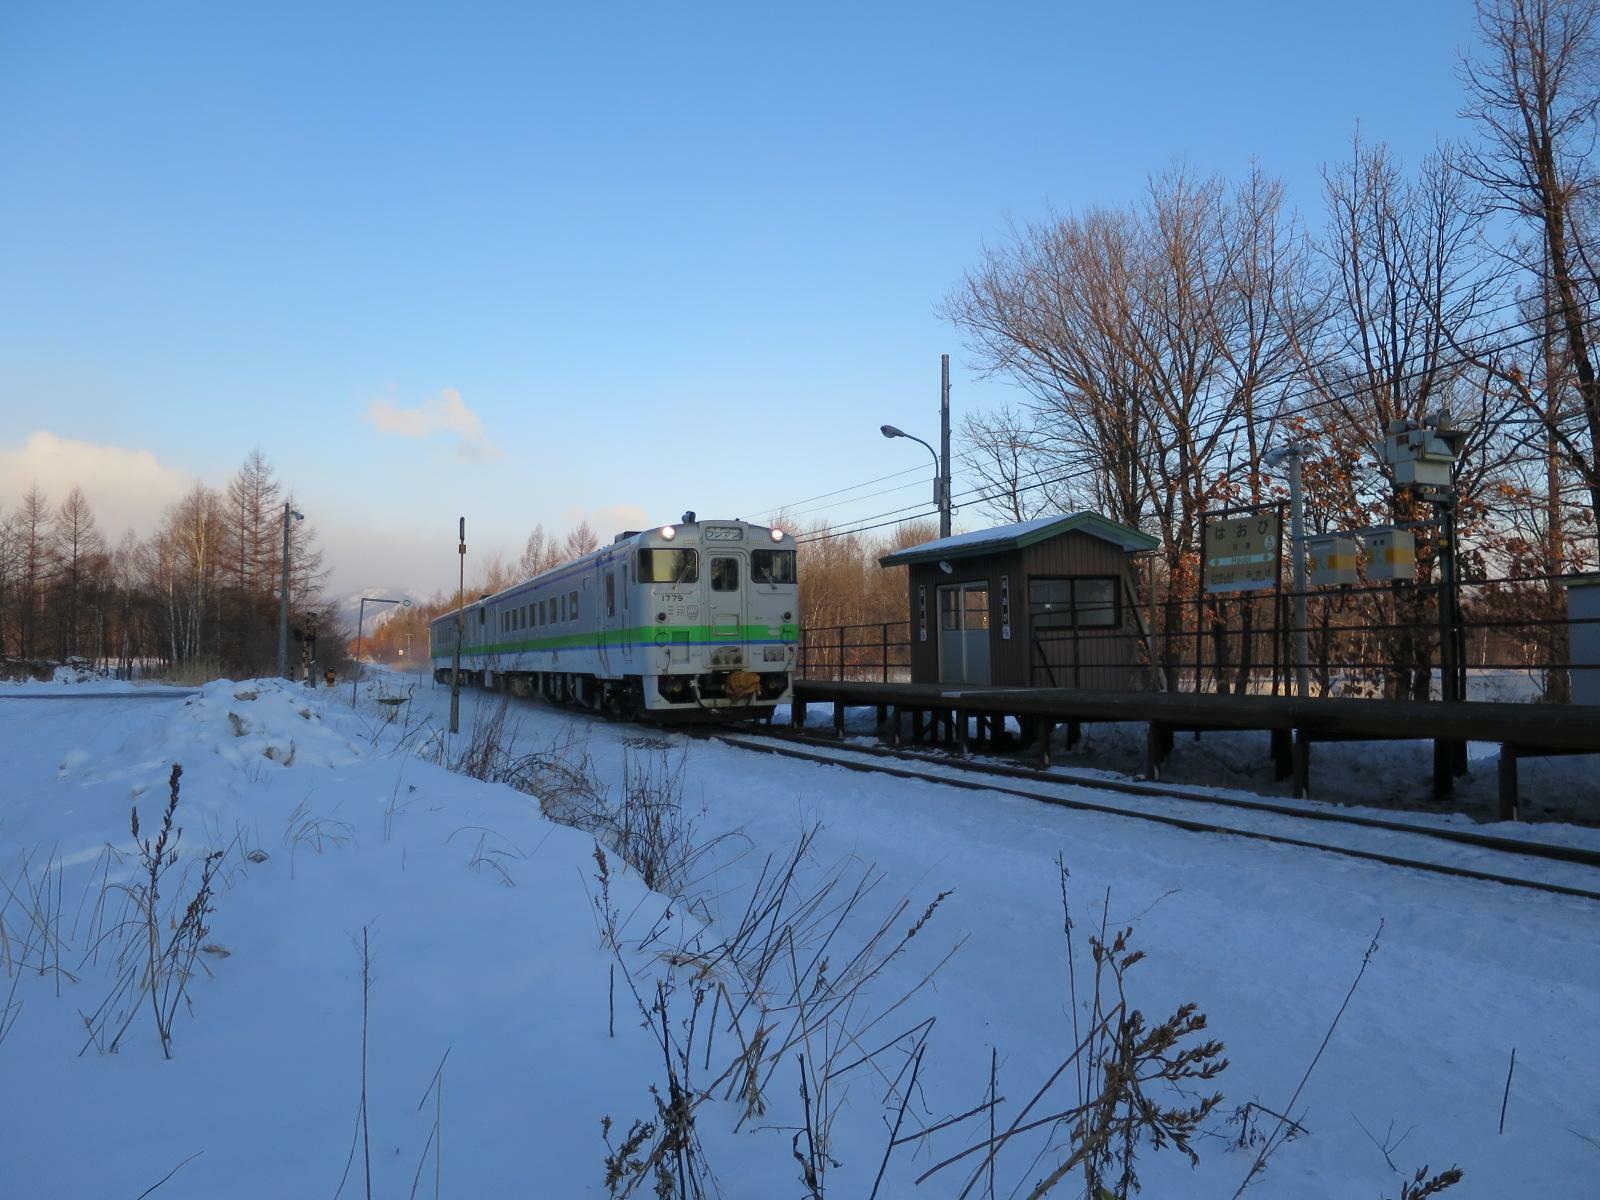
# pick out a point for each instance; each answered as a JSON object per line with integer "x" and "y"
{"x": 361, "y": 614}
{"x": 939, "y": 496}
{"x": 941, "y": 458}
{"x": 283, "y": 594}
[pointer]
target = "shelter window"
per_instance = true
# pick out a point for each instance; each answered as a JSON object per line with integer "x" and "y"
{"x": 668, "y": 566}
{"x": 772, "y": 566}
{"x": 724, "y": 574}
{"x": 1085, "y": 602}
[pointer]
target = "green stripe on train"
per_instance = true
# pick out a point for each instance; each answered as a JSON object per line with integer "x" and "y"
{"x": 661, "y": 635}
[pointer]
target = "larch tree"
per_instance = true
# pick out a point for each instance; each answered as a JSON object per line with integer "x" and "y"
{"x": 77, "y": 544}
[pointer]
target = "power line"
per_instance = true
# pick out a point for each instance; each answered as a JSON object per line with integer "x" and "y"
{"x": 831, "y": 532}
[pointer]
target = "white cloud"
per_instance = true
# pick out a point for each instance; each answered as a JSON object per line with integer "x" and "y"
{"x": 127, "y": 489}
{"x": 445, "y": 413}
{"x": 606, "y": 522}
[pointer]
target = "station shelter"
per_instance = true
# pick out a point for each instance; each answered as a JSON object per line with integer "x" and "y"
{"x": 1043, "y": 603}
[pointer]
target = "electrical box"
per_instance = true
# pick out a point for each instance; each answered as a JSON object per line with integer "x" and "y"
{"x": 1391, "y": 554}
{"x": 1331, "y": 559}
{"x": 1583, "y": 611}
{"x": 1423, "y": 455}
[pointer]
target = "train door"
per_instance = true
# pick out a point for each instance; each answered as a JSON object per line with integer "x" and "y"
{"x": 609, "y": 613}
{"x": 964, "y": 633}
{"x": 725, "y": 599}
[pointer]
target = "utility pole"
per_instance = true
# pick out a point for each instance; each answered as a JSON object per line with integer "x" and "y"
{"x": 461, "y": 629}
{"x": 1297, "y": 527}
{"x": 283, "y": 594}
{"x": 944, "y": 445}
{"x": 1292, "y": 453}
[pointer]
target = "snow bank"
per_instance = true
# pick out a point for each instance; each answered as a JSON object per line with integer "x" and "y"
{"x": 257, "y": 719}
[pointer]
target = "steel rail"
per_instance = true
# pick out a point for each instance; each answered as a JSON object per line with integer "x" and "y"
{"x": 773, "y": 745}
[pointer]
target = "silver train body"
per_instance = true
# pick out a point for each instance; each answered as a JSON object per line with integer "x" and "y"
{"x": 694, "y": 619}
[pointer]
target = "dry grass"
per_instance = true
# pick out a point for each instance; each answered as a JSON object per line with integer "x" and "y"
{"x": 192, "y": 672}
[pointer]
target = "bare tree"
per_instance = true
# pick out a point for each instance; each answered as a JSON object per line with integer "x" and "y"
{"x": 78, "y": 543}
{"x": 998, "y": 450}
{"x": 34, "y": 566}
{"x": 581, "y": 540}
{"x": 1534, "y": 93}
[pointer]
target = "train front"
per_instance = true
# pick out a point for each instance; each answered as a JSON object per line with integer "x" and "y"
{"x": 724, "y": 603}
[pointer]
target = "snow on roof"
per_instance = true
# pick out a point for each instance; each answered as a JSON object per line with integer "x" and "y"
{"x": 1023, "y": 533}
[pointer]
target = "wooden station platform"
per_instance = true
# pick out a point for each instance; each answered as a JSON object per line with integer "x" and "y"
{"x": 963, "y": 717}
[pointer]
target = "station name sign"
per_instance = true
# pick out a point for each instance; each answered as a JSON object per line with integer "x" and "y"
{"x": 1241, "y": 553}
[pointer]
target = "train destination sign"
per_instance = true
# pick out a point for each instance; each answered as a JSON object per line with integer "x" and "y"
{"x": 1241, "y": 553}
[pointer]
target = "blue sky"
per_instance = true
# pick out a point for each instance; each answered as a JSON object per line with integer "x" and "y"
{"x": 669, "y": 256}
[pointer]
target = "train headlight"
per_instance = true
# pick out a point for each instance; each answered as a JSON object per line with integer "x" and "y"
{"x": 777, "y": 535}
{"x": 668, "y": 532}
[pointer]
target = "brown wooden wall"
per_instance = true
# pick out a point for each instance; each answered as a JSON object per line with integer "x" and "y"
{"x": 1099, "y": 660}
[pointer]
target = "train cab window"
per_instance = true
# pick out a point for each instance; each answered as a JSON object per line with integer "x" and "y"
{"x": 668, "y": 566}
{"x": 772, "y": 566}
{"x": 611, "y": 592}
{"x": 724, "y": 574}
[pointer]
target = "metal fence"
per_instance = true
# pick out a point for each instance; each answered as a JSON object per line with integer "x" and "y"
{"x": 872, "y": 653}
{"x": 1512, "y": 640}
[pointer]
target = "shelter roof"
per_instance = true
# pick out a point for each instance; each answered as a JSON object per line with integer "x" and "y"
{"x": 1023, "y": 533}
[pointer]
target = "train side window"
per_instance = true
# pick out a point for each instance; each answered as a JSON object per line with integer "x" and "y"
{"x": 563, "y": 606}
{"x": 611, "y": 594}
{"x": 573, "y": 604}
{"x": 541, "y": 612}
{"x": 724, "y": 574}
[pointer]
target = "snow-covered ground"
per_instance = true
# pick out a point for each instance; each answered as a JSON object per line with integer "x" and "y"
{"x": 486, "y": 942}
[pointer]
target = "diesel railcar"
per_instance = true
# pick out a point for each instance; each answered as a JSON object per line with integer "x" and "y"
{"x": 696, "y": 619}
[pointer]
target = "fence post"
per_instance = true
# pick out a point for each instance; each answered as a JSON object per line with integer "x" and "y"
{"x": 886, "y": 652}
{"x": 841, "y": 654}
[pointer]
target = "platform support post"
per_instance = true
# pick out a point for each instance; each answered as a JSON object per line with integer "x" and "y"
{"x": 1074, "y": 732}
{"x": 894, "y": 725}
{"x": 962, "y": 719}
{"x": 1507, "y": 808}
{"x": 1157, "y": 745}
{"x": 838, "y": 718}
{"x": 797, "y": 713}
{"x": 883, "y": 714}
{"x": 1044, "y": 729}
{"x": 1302, "y": 765}
{"x": 1444, "y": 775}
{"x": 1282, "y": 753}
{"x": 916, "y": 726}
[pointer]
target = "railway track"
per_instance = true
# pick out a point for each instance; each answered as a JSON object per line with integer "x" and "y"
{"x": 1478, "y": 856}
{"x": 1581, "y": 866}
